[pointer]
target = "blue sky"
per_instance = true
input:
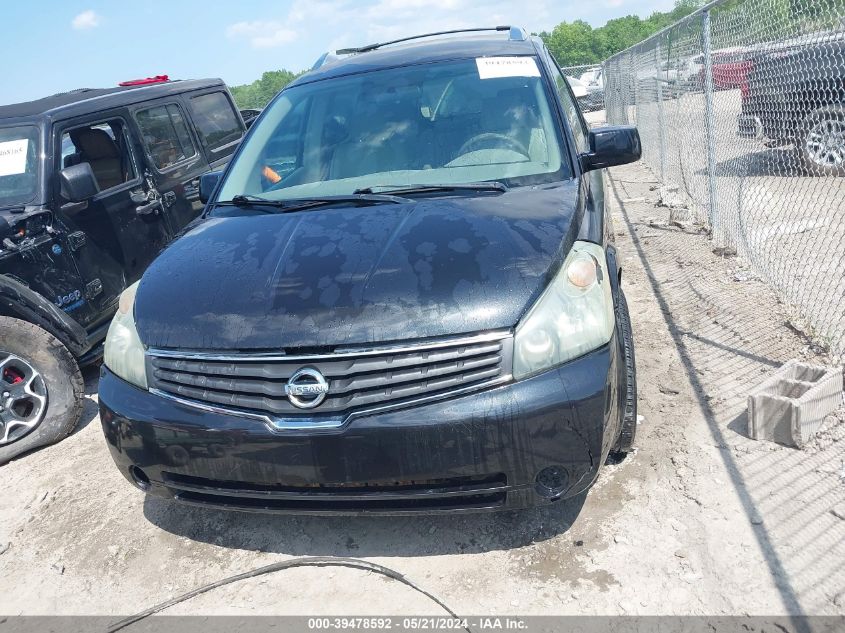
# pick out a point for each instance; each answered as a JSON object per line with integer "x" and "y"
{"x": 52, "y": 46}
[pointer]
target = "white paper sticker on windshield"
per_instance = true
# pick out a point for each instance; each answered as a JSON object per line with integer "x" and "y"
{"x": 495, "y": 67}
{"x": 13, "y": 157}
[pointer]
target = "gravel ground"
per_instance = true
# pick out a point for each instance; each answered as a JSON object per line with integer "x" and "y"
{"x": 700, "y": 520}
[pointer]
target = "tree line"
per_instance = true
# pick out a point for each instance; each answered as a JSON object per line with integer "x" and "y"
{"x": 576, "y": 43}
{"x": 751, "y": 21}
{"x": 259, "y": 92}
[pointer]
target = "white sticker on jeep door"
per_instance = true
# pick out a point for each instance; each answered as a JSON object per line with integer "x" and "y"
{"x": 496, "y": 67}
{"x": 13, "y": 156}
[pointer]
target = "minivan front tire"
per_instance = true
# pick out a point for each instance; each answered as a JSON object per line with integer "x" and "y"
{"x": 625, "y": 441}
{"x": 41, "y": 389}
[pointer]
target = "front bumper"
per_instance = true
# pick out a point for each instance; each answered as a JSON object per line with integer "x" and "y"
{"x": 750, "y": 126}
{"x": 481, "y": 451}
{"x": 774, "y": 126}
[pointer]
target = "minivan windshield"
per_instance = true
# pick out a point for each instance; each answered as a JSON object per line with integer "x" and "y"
{"x": 455, "y": 122}
{"x": 18, "y": 164}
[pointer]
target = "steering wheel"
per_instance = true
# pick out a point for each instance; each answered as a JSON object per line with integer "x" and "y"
{"x": 512, "y": 143}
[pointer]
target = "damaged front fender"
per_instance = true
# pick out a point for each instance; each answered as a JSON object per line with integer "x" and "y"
{"x": 16, "y": 300}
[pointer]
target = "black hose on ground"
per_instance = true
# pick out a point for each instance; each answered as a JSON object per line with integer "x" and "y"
{"x": 309, "y": 561}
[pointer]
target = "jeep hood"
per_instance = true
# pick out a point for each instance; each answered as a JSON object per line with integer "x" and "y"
{"x": 340, "y": 275}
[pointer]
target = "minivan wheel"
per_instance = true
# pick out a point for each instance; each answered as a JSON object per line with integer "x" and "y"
{"x": 625, "y": 441}
{"x": 41, "y": 388}
{"x": 822, "y": 141}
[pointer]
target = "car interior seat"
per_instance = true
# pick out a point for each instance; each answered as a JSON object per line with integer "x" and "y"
{"x": 97, "y": 148}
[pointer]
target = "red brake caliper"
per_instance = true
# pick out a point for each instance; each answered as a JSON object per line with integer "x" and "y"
{"x": 12, "y": 377}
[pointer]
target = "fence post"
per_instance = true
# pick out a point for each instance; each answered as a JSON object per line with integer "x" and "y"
{"x": 636, "y": 92}
{"x": 661, "y": 122}
{"x": 716, "y": 229}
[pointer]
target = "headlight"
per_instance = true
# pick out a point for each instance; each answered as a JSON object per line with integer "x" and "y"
{"x": 573, "y": 316}
{"x": 124, "y": 353}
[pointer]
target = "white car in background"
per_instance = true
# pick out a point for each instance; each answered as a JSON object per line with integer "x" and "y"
{"x": 579, "y": 88}
{"x": 593, "y": 79}
{"x": 589, "y": 98}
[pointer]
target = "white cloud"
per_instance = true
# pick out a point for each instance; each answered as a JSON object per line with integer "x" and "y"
{"x": 86, "y": 20}
{"x": 261, "y": 33}
{"x": 323, "y": 10}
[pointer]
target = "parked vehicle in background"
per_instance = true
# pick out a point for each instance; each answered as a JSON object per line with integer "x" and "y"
{"x": 589, "y": 98}
{"x": 403, "y": 297}
{"x": 794, "y": 92}
{"x": 730, "y": 68}
{"x": 249, "y": 115}
{"x": 593, "y": 79}
{"x": 666, "y": 75}
{"x": 579, "y": 88}
{"x": 593, "y": 101}
{"x": 93, "y": 185}
{"x": 691, "y": 75}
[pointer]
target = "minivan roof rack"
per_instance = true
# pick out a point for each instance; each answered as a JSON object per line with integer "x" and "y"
{"x": 515, "y": 33}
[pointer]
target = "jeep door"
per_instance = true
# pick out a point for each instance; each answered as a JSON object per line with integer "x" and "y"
{"x": 117, "y": 233}
{"x": 173, "y": 158}
{"x": 31, "y": 254}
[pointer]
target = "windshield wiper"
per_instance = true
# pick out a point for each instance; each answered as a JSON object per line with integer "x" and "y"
{"x": 491, "y": 185}
{"x": 298, "y": 204}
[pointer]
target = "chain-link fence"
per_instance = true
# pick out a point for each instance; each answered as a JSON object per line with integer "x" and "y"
{"x": 741, "y": 109}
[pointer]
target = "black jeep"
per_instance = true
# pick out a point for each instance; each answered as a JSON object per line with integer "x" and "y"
{"x": 93, "y": 184}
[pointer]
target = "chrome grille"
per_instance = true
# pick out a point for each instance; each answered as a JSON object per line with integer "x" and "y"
{"x": 359, "y": 379}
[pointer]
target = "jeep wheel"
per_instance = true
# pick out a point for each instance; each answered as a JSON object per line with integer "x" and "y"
{"x": 41, "y": 389}
{"x": 822, "y": 141}
{"x": 625, "y": 441}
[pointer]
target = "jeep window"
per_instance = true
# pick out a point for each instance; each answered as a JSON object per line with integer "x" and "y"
{"x": 18, "y": 164}
{"x": 166, "y": 135}
{"x": 216, "y": 121}
{"x": 104, "y": 146}
{"x": 439, "y": 123}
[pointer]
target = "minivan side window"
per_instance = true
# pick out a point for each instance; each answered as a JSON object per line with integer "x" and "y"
{"x": 570, "y": 107}
{"x": 104, "y": 147}
{"x": 166, "y": 135}
{"x": 216, "y": 121}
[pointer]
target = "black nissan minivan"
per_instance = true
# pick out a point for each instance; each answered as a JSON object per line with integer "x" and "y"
{"x": 402, "y": 296}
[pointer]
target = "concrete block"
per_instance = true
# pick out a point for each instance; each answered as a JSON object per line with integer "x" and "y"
{"x": 790, "y": 406}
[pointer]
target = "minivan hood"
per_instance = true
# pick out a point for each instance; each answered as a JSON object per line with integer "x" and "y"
{"x": 339, "y": 276}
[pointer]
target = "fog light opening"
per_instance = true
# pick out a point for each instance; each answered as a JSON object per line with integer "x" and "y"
{"x": 552, "y": 481}
{"x": 139, "y": 477}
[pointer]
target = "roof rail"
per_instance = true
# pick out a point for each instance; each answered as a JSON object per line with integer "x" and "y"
{"x": 515, "y": 33}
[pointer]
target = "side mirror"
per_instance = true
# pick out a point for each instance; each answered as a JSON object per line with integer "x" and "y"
{"x": 613, "y": 145}
{"x": 207, "y": 184}
{"x": 77, "y": 183}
